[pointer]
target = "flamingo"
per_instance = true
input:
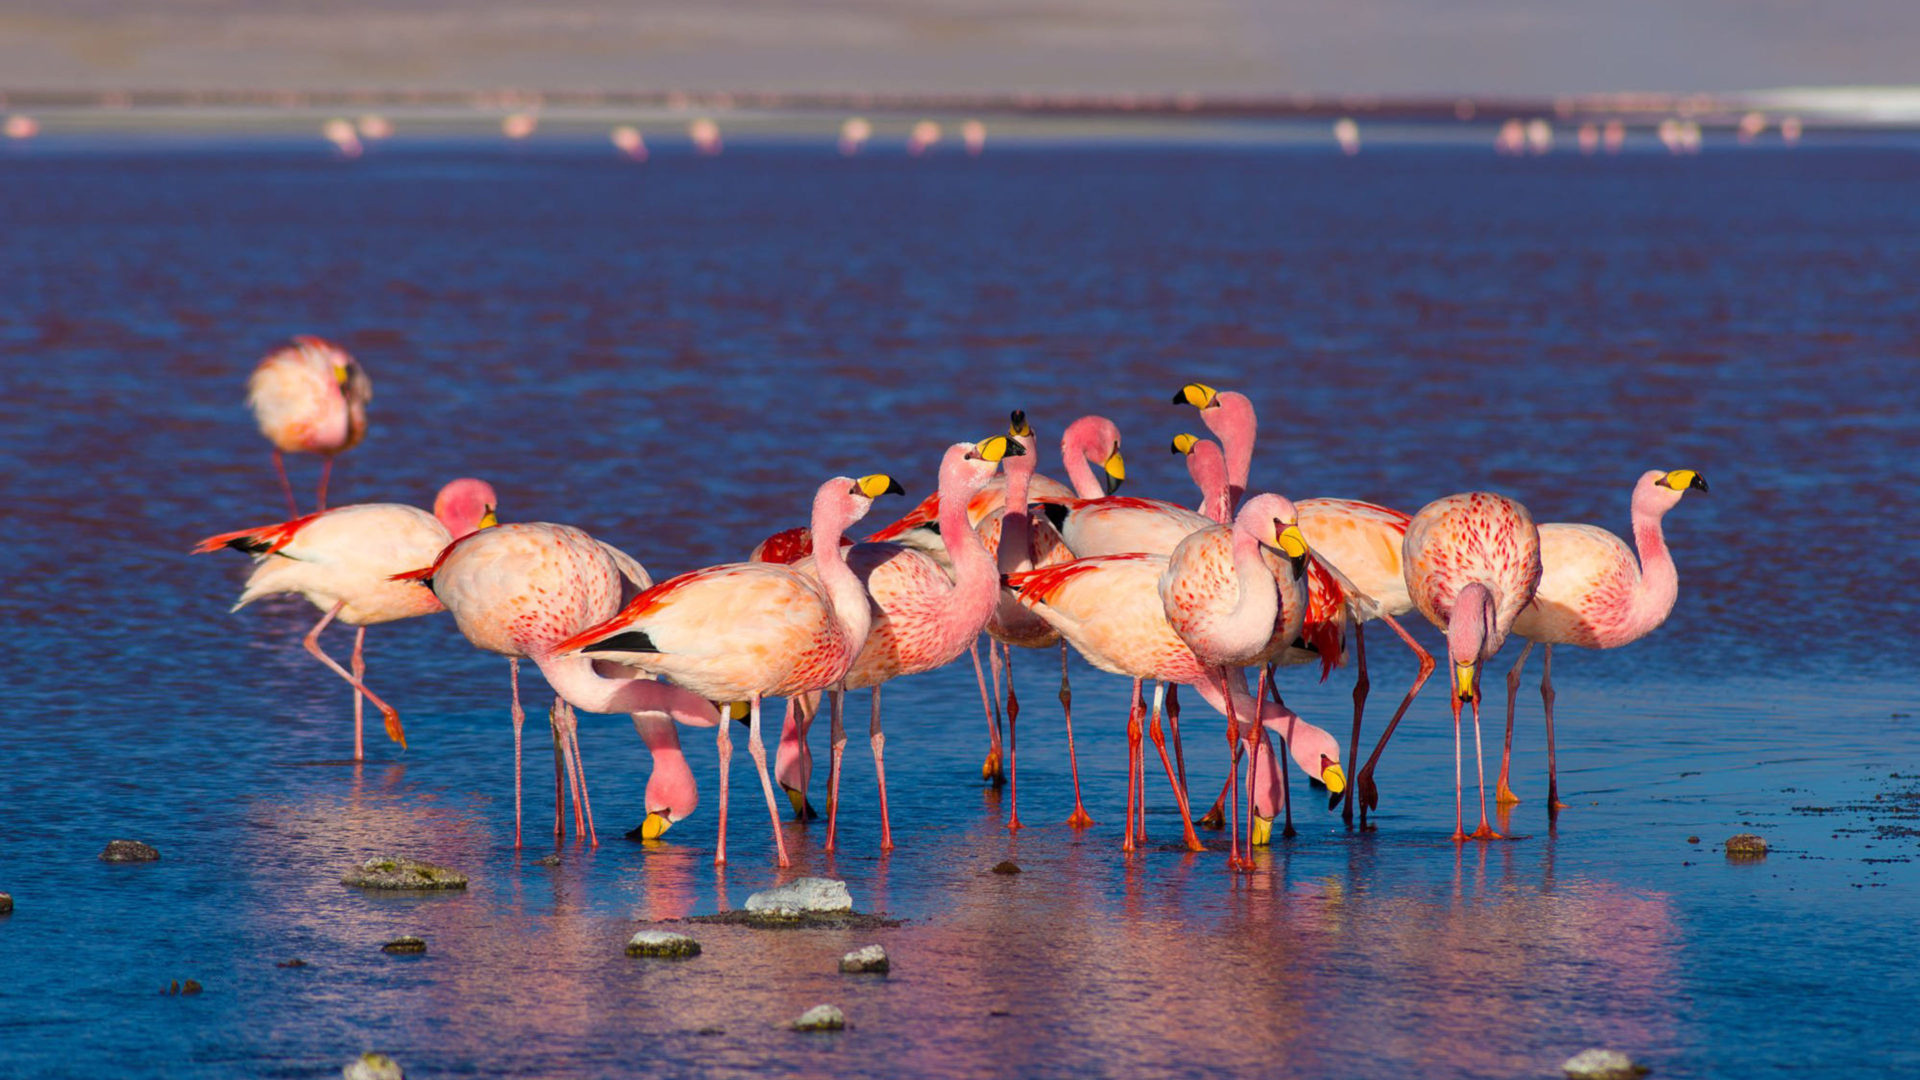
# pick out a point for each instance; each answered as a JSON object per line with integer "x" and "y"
{"x": 1593, "y": 593}
{"x": 342, "y": 560}
{"x": 924, "y": 616}
{"x": 1357, "y": 572}
{"x": 1472, "y": 565}
{"x": 518, "y": 590}
{"x": 309, "y": 397}
{"x": 745, "y": 631}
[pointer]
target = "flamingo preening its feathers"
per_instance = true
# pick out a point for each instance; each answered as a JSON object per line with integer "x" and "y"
{"x": 343, "y": 561}
{"x": 1595, "y": 594}
{"x": 310, "y": 397}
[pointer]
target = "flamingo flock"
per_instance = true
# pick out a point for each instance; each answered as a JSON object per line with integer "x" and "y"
{"x": 1245, "y": 583}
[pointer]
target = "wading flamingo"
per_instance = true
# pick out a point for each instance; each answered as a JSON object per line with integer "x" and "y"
{"x": 310, "y": 397}
{"x": 1359, "y": 541}
{"x": 342, "y": 561}
{"x": 520, "y": 589}
{"x": 1472, "y": 565}
{"x": 748, "y": 631}
{"x": 924, "y": 616}
{"x": 1593, "y": 593}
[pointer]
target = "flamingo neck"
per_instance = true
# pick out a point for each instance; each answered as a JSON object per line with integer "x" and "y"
{"x": 1235, "y": 425}
{"x": 576, "y": 679}
{"x": 1659, "y": 584}
{"x": 671, "y": 789}
{"x": 1073, "y": 457}
{"x": 1208, "y": 468}
{"x": 1472, "y": 634}
{"x": 1016, "y": 529}
{"x": 851, "y": 607}
{"x": 1257, "y": 607}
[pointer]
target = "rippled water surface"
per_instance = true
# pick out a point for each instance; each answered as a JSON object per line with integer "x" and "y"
{"x": 672, "y": 356}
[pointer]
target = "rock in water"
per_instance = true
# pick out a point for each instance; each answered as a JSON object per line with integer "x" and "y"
{"x": 873, "y": 958}
{"x": 1598, "y": 1064}
{"x": 802, "y": 897}
{"x": 128, "y": 851}
{"x": 398, "y": 873}
{"x": 1746, "y": 846}
{"x": 821, "y": 1018}
{"x": 1008, "y": 867}
{"x": 373, "y": 1067}
{"x": 6, "y": 904}
{"x": 404, "y": 945}
{"x": 664, "y": 945}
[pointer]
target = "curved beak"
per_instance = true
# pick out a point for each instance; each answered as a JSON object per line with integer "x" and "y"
{"x": 1291, "y": 541}
{"x": 488, "y": 519}
{"x": 655, "y": 826}
{"x": 802, "y": 809}
{"x": 1262, "y": 831}
{"x": 1335, "y": 778}
{"x": 341, "y": 373}
{"x": 1463, "y": 674}
{"x": 1113, "y": 472}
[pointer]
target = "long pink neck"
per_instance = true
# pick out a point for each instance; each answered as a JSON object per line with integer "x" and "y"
{"x": 976, "y": 581}
{"x": 1074, "y": 449}
{"x": 576, "y": 679}
{"x": 1659, "y": 584}
{"x": 1208, "y": 468}
{"x": 671, "y": 789}
{"x": 1016, "y": 529}
{"x": 1233, "y": 423}
{"x": 850, "y": 604}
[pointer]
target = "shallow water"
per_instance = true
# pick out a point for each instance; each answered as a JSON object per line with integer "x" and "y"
{"x": 673, "y": 355}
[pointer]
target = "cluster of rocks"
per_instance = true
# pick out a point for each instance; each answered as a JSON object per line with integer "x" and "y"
{"x": 405, "y": 875}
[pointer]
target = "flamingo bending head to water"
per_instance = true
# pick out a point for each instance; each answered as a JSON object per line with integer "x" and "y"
{"x": 309, "y": 397}
{"x": 1595, "y": 594}
{"x": 343, "y": 561}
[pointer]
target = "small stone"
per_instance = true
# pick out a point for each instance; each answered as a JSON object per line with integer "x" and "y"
{"x": 1598, "y": 1064}
{"x": 191, "y": 987}
{"x": 802, "y": 897}
{"x": 401, "y": 945}
{"x": 6, "y": 903}
{"x": 551, "y": 860}
{"x": 821, "y": 1018}
{"x": 373, "y": 1067}
{"x": 128, "y": 851}
{"x": 1746, "y": 846}
{"x": 296, "y": 962}
{"x": 1007, "y": 867}
{"x": 405, "y": 874}
{"x": 1693, "y": 839}
{"x": 873, "y": 959}
{"x": 663, "y": 945}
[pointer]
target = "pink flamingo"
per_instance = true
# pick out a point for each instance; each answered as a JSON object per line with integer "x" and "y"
{"x": 746, "y": 631}
{"x": 1593, "y": 593}
{"x": 342, "y": 560}
{"x": 924, "y": 617}
{"x": 1472, "y": 565}
{"x": 310, "y": 397}
{"x": 1357, "y": 569}
{"x": 519, "y": 590}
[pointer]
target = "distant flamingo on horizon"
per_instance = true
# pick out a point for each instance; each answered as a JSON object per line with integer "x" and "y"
{"x": 310, "y": 397}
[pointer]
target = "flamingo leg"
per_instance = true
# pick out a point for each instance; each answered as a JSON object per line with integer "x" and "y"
{"x": 723, "y": 742}
{"x": 757, "y": 750}
{"x": 989, "y": 703}
{"x": 1554, "y": 805}
{"x": 1459, "y": 818}
{"x": 1272, "y": 689}
{"x": 1502, "y": 793}
{"x": 1133, "y": 750}
{"x": 519, "y": 718}
{"x": 1079, "y": 819}
{"x": 280, "y": 467}
{"x": 326, "y": 471}
{"x": 879, "y": 743}
{"x": 1140, "y": 768}
{"x": 837, "y": 732}
{"x": 1166, "y": 762}
{"x": 562, "y": 772}
{"x": 1369, "y": 795}
{"x": 1234, "y": 861}
{"x": 1361, "y": 685}
{"x": 585, "y": 805}
{"x": 1173, "y": 722}
{"x": 1485, "y": 831}
{"x": 1013, "y": 744}
{"x": 359, "y": 699}
{"x": 312, "y": 643}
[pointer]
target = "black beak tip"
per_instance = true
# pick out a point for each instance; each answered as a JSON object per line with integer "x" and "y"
{"x": 1014, "y": 449}
{"x": 894, "y": 488}
{"x": 1180, "y": 396}
{"x": 1699, "y": 482}
{"x": 1333, "y": 800}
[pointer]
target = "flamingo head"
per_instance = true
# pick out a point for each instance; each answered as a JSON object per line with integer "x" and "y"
{"x": 793, "y": 765}
{"x": 1470, "y": 631}
{"x": 346, "y": 372}
{"x": 1273, "y": 521}
{"x": 1019, "y": 431}
{"x": 465, "y": 506}
{"x": 1227, "y": 414}
{"x": 844, "y": 500}
{"x": 1658, "y": 492}
{"x": 966, "y": 467}
{"x": 1096, "y": 439}
{"x": 1208, "y": 467}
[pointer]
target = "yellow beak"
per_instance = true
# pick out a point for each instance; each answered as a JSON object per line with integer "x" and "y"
{"x": 489, "y": 519}
{"x": 1198, "y": 395}
{"x": 1116, "y": 469}
{"x": 798, "y": 800}
{"x": 1334, "y": 778}
{"x": 1291, "y": 541}
{"x": 654, "y": 826}
{"x": 340, "y": 374}
{"x": 1262, "y": 831}
{"x": 1463, "y": 680}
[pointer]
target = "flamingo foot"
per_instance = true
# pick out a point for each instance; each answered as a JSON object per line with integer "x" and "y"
{"x": 993, "y": 770}
{"x": 1214, "y": 819}
{"x": 1504, "y": 795}
{"x": 1459, "y": 837}
{"x": 1080, "y": 819}
{"x": 1558, "y": 806}
{"x": 1485, "y": 832}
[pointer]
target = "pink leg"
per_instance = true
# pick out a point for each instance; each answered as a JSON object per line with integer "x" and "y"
{"x": 989, "y": 769}
{"x": 584, "y": 802}
{"x": 1268, "y": 686}
{"x": 1459, "y": 817}
{"x": 1485, "y": 831}
{"x": 1079, "y": 819}
{"x": 519, "y": 718}
{"x": 359, "y": 699}
{"x": 1173, "y": 722}
{"x": 562, "y": 772}
{"x": 326, "y": 470}
{"x": 1166, "y": 762}
{"x": 1503, "y": 793}
{"x": 837, "y": 713}
{"x": 1140, "y": 768}
{"x": 758, "y": 752}
{"x": 1133, "y": 751}
{"x": 723, "y": 742}
{"x": 1364, "y": 788}
{"x": 879, "y": 742}
{"x": 1361, "y": 684}
{"x": 1234, "y": 861}
{"x": 312, "y": 643}
{"x": 1554, "y": 805}
{"x": 280, "y": 467}
{"x": 1013, "y": 745}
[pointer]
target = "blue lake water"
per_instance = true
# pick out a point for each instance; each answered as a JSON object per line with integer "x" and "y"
{"x": 673, "y": 355}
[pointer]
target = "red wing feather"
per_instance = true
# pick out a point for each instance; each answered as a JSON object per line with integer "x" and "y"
{"x": 263, "y": 540}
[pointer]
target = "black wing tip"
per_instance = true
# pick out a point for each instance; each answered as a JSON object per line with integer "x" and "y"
{"x": 1057, "y": 514}
{"x": 252, "y": 545}
{"x": 626, "y": 641}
